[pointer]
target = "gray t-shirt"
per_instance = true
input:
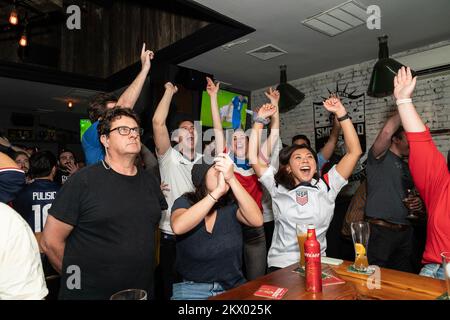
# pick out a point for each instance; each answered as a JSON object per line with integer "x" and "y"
{"x": 388, "y": 178}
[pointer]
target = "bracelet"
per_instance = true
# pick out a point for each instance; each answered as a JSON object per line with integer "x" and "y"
{"x": 344, "y": 117}
{"x": 262, "y": 120}
{"x": 215, "y": 200}
{"x": 403, "y": 101}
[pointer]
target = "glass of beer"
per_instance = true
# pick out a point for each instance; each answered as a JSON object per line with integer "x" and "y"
{"x": 360, "y": 236}
{"x": 446, "y": 265}
{"x": 130, "y": 294}
{"x": 302, "y": 232}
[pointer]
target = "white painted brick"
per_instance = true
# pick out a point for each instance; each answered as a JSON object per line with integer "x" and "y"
{"x": 431, "y": 97}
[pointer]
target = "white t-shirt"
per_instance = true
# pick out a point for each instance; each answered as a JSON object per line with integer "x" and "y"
{"x": 175, "y": 170}
{"x": 266, "y": 200}
{"x": 21, "y": 274}
{"x": 303, "y": 205}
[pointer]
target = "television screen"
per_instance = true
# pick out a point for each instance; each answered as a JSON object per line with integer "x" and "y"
{"x": 232, "y": 109}
{"x": 84, "y": 125}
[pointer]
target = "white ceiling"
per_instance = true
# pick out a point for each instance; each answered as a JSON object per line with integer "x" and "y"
{"x": 409, "y": 24}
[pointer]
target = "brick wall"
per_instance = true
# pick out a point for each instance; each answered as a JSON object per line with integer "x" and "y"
{"x": 432, "y": 99}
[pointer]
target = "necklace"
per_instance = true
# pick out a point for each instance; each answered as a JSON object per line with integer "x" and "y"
{"x": 106, "y": 165}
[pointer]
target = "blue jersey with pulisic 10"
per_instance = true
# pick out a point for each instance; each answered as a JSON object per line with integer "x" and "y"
{"x": 34, "y": 201}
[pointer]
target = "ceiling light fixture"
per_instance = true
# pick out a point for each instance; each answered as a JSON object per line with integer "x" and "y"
{"x": 23, "y": 42}
{"x": 14, "y": 17}
{"x": 385, "y": 69}
{"x": 289, "y": 96}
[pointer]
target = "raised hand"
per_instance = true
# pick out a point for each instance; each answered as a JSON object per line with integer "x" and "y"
{"x": 333, "y": 104}
{"x": 267, "y": 110}
{"x": 404, "y": 84}
{"x": 146, "y": 56}
{"x": 72, "y": 168}
{"x": 164, "y": 187}
{"x": 273, "y": 95}
{"x": 5, "y": 142}
{"x": 170, "y": 87}
{"x": 224, "y": 164}
{"x": 212, "y": 88}
{"x": 222, "y": 186}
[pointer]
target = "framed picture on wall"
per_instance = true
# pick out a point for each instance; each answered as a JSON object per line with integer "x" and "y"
{"x": 20, "y": 134}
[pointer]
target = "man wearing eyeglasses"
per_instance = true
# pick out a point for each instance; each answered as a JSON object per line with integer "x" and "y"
{"x": 100, "y": 230}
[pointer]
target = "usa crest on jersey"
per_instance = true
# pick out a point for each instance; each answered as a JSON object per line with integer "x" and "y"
{"x": 302, "y": 197}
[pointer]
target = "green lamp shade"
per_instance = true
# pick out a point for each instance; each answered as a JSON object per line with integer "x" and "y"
{"x": 382, "y": 80}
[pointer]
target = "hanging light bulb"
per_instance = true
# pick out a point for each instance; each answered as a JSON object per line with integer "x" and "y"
{"x": 13, "y": 17}
{"x": 70, "y": 104}
{"x": 23, "y": 42}
{"x": 289, "y": 96}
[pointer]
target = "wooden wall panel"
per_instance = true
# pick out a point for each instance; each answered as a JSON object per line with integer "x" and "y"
{"x": 86, "y": 51}
{"x": 131, "y": 25}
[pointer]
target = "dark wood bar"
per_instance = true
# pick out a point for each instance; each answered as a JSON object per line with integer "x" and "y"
{"x": 395, "y": 285}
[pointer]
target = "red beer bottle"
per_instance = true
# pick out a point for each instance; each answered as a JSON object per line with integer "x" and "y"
{"x": 313, "y": 265}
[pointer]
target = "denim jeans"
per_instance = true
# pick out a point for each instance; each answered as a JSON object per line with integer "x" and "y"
{"x": 190, "y": 290}
{"x": 433, "y": 270}
{"x": 255, "y": 253}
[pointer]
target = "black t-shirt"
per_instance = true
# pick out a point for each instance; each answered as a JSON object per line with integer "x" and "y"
{"x": 112, "y": 244}
{"x": 388, "y": 179}
{"x": 211, "y": 257}
{"x": 34, "y": 201}
{"x": 62, "y": 176}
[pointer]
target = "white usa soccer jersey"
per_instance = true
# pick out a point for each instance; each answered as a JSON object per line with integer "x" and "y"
{"x": 313, "y": 204}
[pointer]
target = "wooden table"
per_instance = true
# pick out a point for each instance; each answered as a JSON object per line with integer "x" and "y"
{"x": 394, "y": 285}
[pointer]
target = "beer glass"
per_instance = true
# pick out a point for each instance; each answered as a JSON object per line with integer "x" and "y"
{"x": 360, "y": 236}
{"x": 130, "y": 294}
{"x": 446, "y": 264}
{"x": 302, "y": 232}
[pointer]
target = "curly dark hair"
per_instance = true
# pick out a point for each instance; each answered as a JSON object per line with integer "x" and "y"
{"x": 301, "y": 136}
{"x": 97, "y": 106}
{"x": 117, "y": 112}
{"x": 42, "y": 164}
{"x": 283, "y": 177}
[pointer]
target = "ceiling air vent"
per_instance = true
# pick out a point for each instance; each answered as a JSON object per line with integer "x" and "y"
{"x": 334, "y": 21}
{"x": 266, "y": 52}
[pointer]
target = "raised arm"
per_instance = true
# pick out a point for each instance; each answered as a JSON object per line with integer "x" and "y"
{"x": 184, "y": 220}
{"x": 428, "y": 167}
{"x": 160, "y": 131}
{"x": 404, "y": 85}
{"x": 328, "y": 149}
{"x": 131, "y": 94}
{"x": 248, "y": 212}
{"x": 268, "y": 145}
{"x": 383, "y": 140}
{"x": 53, "y": 241}
{"x": 7, "y": 145}
{"x": 212, "y": 90}
{"x": 7, "y": 162}
{"x": 348, "y": 162}
{"x": 260, "y": 166}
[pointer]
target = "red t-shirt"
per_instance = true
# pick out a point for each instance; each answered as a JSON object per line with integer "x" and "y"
{"x": 432, "y": 179}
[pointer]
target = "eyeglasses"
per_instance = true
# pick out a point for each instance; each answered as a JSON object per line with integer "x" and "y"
{"x": 125, "y": 131}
